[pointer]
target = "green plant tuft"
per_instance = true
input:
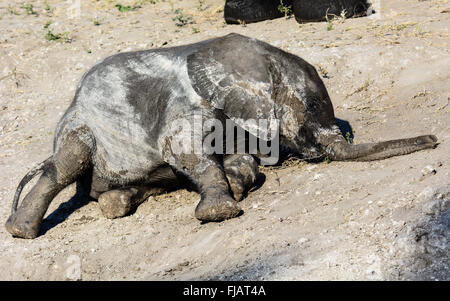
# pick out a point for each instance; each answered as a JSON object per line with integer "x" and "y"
{"x": 123, "y": 8}
{"x": 284, "y": 9}
{"x": 181, "y": 19}
{"x": 28, "y": 7}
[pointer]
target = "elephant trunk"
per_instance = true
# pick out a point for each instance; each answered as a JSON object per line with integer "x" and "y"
{"x": 341, "y": 150}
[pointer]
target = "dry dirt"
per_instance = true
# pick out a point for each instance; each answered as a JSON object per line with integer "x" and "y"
{"x": 387, "y": 74}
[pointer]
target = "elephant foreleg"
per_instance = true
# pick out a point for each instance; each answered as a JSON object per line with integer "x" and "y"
{"x": 207, "y": 174}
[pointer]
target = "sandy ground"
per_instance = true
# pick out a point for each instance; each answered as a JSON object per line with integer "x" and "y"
{"x": 387, "y": 74}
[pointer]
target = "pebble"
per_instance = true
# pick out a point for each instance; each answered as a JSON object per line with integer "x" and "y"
{"x": 303, "y": 240}
{"x": 428, "y": 170}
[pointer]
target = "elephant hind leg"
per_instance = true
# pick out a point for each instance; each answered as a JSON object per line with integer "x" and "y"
{"x": 241, "y": 171}
{"x": 120, "y": 202}
{"x": 71, "y": 159}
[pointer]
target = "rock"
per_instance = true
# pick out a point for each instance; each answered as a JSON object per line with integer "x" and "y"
{"x": 428, "y": 170}
{"x": 303, "y": 240}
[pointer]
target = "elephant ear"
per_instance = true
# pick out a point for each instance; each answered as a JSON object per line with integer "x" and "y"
{"x": 234, "y": 78}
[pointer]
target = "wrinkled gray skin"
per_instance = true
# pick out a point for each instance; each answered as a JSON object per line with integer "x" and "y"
{"x": 115, "y": 138}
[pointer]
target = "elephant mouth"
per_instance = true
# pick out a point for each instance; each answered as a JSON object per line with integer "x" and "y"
{"x": 306, "y": 153}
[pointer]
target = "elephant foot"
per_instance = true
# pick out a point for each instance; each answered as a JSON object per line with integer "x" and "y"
{"x": 237, "y": 187}
{"x": 120, "y": 202}
{"x": 217, "y": 206}
{"x": 22, "y": 229}
{"x": 241, "y": 172}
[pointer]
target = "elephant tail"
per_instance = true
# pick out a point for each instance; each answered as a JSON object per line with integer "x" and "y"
{"x": 27, "y": 178}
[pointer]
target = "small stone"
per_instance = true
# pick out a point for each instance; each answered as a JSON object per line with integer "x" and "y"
{"x": 303, "y": 240}
{"x": 428, "y": 170}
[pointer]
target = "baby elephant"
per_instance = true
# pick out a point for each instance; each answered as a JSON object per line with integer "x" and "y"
{"x": 142, "y": 122}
